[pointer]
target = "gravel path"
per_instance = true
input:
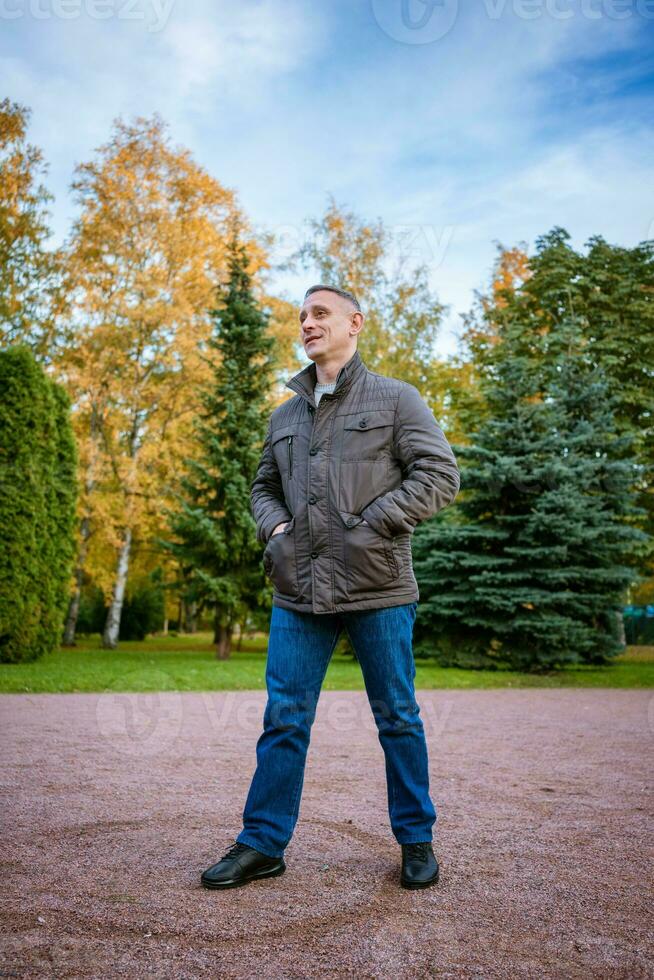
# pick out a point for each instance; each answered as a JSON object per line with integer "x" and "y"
{"x": 114, "y": 804}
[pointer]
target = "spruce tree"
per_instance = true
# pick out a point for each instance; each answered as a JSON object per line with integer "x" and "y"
{"x": 530, "y": 569}
{"x": 214, "y": 531}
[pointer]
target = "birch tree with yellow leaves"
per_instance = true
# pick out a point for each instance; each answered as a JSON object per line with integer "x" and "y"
{"x": 31, "y": 292}
{"x": 146, "y": 255}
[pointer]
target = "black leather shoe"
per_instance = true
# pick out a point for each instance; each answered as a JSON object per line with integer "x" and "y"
{"x": 239, "y": 865}
{"x": 419, "y": 866}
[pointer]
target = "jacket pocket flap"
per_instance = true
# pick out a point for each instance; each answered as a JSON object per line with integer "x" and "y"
{"x": 290, "y": 525}
{"x": 282, "y": 433}
{"x": 350, "y": 520}
{"x": 362, "y": 421}
{"x": 287, "y": 530}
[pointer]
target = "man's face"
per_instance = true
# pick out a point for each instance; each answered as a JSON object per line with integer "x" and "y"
{"x": 326, "y": 324}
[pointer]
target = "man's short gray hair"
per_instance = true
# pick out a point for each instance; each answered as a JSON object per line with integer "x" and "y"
{"x": 339, "y": 292}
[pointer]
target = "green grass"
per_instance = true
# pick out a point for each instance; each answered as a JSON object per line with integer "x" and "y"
{"x": 187, "y": 663}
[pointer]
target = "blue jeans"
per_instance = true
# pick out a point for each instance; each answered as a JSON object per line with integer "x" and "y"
{"x": 299, "y": 650}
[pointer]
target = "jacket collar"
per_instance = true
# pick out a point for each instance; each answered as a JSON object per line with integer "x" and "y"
{"x": 304, "y": 382}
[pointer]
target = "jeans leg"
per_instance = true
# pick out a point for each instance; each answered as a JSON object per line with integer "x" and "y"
{"x": 382, "y": 639}
{"x": 300, "y": 647}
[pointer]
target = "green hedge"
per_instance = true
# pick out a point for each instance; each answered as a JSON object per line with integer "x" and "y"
{"x": 38, "y": 496}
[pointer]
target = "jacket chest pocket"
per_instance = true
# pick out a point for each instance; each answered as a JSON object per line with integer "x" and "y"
{"x": 284, "y": 443}
{"x": 367, "y": 435}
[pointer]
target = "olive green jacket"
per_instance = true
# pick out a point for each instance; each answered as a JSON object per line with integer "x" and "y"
{"x": 352, "y": 477}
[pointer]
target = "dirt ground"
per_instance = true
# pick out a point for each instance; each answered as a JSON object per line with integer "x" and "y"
{"x": 114, "y": 804}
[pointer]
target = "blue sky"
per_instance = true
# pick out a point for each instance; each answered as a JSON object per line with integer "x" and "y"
{"x": 458, "y": 124}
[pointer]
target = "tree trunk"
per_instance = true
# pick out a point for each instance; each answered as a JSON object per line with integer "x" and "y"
{"x": 73, "y": 610}
{"x": 112, "y": 626}
{"x": 191, "y": 617}
{"x": 73, "y": 605}
{"x": 85, "y": 534}
{"x": 222, "y": 636}
{"x": 622, "y": 636}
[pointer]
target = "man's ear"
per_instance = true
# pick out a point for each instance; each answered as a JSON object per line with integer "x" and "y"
{"x": 357, "y": 323}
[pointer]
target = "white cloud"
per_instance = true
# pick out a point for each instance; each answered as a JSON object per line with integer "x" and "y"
{"x": 241, "y": 45}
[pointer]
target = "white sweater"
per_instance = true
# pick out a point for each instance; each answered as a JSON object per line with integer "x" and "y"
{"x": 319, "y": 390}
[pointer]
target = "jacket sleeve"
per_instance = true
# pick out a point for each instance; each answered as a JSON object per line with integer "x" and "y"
{"x": 431, "y": 479}
{"x": 266, "y": 493}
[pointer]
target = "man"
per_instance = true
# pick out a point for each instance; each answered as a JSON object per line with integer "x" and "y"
{"x": 349, "y": 467}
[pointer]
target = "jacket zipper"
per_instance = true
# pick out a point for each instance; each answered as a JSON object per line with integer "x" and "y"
{"x": 290, "y": 456}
